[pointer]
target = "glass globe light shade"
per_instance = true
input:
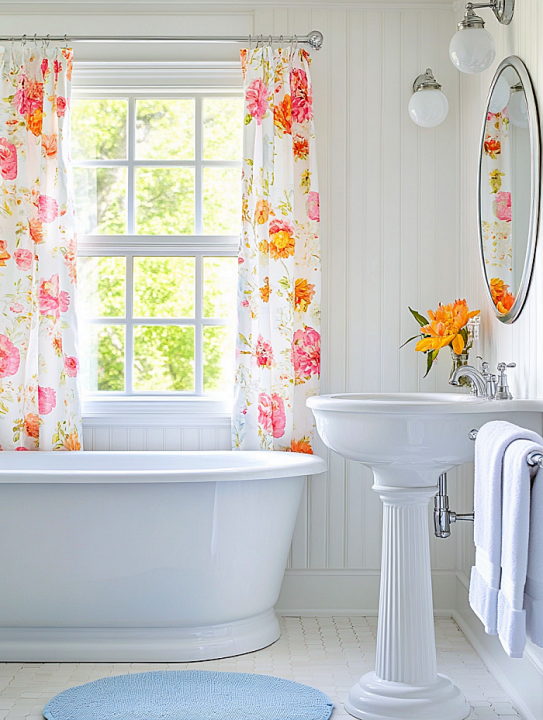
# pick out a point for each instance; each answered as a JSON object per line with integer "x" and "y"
{"x": 472, "y": 50}
{"x": 518, "y": 109}
{"x": 428, "y": 108}
{"x": 500, "y": 96}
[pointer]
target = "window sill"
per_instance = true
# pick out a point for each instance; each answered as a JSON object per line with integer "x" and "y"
{"x": 153, "y": 410}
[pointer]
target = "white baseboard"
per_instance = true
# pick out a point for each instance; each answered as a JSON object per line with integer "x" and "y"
{"x": 349, "y": 592}
{"x": 522, "y": 679}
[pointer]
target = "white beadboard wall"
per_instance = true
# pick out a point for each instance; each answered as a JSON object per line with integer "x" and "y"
{"x": 521, "y": 342}
{"x": 390, "y": 230}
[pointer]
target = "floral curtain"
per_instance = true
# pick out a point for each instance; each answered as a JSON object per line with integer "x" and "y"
{"x": 278, "y": 339}
{"x": 496, "y": 215}
{"x": 39, "y": 402}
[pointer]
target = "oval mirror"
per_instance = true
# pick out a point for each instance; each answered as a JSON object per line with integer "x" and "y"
{"x": 509, "y": 186}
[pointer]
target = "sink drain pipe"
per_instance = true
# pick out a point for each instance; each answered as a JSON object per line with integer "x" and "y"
{"x": 443, "y": 517}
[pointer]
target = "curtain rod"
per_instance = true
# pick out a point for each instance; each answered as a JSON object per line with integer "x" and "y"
{"x": 314, "y": 39}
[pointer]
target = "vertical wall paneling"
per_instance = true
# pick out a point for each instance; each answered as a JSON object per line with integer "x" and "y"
{"x": 388, "y": 227}
{"x": 521, "y": 342}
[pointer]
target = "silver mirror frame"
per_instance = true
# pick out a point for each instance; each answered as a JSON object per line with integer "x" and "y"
{"x": 535, "y": 176}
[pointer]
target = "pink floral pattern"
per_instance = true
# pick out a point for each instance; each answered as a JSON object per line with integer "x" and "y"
{"x": 278, "y": 341}
{"x": 23, "y": 258}
{"x": 9, "y": 357}
{"x": 39, "y": 367}
{"x": 47, "y": 400}
{"x": 8, "y": 159}
{"x": 256, "y": 97}
{"x": 53, "y": 301}
{"x": 496, "y": 200}
{"x": 502, "y": 206}
{"x": 47, "y": 209}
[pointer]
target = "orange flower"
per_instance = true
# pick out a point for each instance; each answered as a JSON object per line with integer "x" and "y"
{"x": 303, "y": 294}
{"x": 32, "y": 425}
{"x": 262, "y": 212}
{"x": 301, "y": 446}
{"x": 36, "y": 230}
{"x": 4, "y": 255}
{"x": 444, "y": 327}
{"x": 282, "y": 116}
{"x": 49, "y": 145}
{"x": 492, "y": 146}
{"x": 300, "y": 147}
{"x": 281, "y": 239}
{"x": 264, "y": 247}
{"x": 503, "y": 299}
{"x": 34, "y": 121}
{"x": 71, "y": 441}
{"x": 265, "y": 290}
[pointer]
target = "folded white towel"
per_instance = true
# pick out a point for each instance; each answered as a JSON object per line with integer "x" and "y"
{"x": 533, "y": 592}
{"x": 516, "y": 531}
{"x": 492, "y": 442}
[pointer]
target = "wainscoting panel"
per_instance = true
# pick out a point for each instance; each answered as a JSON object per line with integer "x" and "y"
{"x": 389, "y": 237}
{"x": 521, "y": 342}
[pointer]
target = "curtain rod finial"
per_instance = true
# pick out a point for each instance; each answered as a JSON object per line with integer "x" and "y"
{"x": 315, "y": 39}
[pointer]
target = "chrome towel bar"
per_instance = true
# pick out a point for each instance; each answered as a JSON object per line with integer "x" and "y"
{"x": 533, "y": 459}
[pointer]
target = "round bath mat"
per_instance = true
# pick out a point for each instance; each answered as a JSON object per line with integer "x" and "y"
{"x": 190, "y": 695}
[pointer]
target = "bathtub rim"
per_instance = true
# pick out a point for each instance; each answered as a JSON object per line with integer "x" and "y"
{"x": 277, "y": 465}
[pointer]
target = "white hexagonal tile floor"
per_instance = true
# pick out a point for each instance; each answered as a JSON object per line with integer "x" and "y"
{"x": 329, "y": 653}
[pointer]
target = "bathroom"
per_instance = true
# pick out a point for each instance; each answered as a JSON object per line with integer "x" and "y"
{"x": 398, "y": 230}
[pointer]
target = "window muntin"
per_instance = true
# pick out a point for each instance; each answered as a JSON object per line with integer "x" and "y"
{"x": 157, "y": 193}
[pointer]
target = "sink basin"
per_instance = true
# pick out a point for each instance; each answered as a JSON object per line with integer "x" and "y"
{"x": 409, "y": 439}
{"x": 413, "y": 435}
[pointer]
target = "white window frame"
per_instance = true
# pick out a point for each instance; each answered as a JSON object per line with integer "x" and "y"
{"x": 127, "y": 80}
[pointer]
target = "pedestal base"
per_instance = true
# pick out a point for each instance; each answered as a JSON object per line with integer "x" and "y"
{"x": 375, "y": 699}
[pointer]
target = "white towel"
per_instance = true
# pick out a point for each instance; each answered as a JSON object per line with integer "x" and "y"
{"x": 492, "y": 442}
{"x": 516, "y": 532}
{"x": 533, "y": 592}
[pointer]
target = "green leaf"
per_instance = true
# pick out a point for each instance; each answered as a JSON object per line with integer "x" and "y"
{"x": 248, "y": 118}
{"x": 415, "y": 337}
{"x": 430, "y": 358}
{"x": 422, "y": 321}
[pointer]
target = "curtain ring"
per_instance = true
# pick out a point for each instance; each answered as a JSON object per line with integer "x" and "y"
{"x": 281, "y": 41}
{"x": 261, "y": 41}
{"x": 47, "y": 41}
{"x": 65, "y": 42}
{"x": 270, "y": 41}
{"x": 23, "y": 40}
{"x": 250, "y": 43}
{"x": 36, "y": 39}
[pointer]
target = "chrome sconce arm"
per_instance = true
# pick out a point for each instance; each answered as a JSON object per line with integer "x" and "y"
{"x": 502, "y": 9}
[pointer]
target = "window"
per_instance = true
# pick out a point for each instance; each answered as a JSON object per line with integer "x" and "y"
{"x": 157, "y": 182}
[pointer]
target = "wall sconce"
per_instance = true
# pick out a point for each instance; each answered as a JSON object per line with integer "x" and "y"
{"x": 428, "y": 106}
{"x": 474, "y": 51}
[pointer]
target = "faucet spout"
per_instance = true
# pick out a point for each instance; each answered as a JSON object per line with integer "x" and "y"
{"x": 476, "y": 378}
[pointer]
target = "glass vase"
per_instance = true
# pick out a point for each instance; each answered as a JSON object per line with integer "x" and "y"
{"x": 459, "y": 361}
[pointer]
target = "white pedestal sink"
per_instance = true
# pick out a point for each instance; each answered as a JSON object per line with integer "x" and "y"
{"x": 408, "y": 439}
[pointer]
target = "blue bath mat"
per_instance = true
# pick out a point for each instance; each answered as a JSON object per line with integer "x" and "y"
{"x": 190, "y": 695}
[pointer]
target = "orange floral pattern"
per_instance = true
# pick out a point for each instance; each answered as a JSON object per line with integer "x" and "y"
{"x": 497, "y": 210}
{"x": 39, "y": 400}
{"x": 278, "y": 341}
{"x": 501, "y": 295}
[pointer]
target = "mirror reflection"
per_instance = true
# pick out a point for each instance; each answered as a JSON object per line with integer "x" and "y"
{"x": 506, "y": 192}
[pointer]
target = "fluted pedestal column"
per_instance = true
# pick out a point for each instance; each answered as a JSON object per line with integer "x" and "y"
{"x": 405, "y": 684}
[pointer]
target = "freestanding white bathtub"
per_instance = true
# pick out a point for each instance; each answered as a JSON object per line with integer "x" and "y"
{"x": 142, "y": 557}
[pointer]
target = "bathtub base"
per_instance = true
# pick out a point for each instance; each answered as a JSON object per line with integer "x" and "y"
{"x": 159, "y": 644}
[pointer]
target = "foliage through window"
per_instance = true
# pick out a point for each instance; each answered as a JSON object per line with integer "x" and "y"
{"x": 157, "y": 182}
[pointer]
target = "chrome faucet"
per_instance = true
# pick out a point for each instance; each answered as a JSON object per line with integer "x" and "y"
{"x": 483, "y": 383}
{"x": 477, "y": 379}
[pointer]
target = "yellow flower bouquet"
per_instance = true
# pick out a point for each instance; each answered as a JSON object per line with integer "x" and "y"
{"x": 448, "y": 325}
